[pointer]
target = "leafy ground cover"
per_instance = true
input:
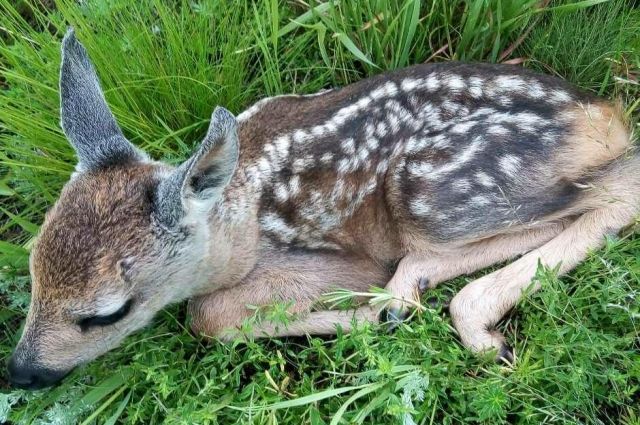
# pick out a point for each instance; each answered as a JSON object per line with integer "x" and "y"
{"x": 166, "y": 64}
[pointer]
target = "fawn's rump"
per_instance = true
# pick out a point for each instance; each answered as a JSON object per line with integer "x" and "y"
{"x": 514, "y": 175}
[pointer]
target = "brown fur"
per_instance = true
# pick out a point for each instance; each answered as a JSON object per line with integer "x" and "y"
{"x": 599, "y": 136}
{"x": 287, "y": 277}
{"x": 75, "y": 265}
{"x": 67, "y": 258}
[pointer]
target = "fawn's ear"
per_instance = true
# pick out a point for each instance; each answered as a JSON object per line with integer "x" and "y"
{"x": 85, "y": 117}
{"x": 197, "y": 185}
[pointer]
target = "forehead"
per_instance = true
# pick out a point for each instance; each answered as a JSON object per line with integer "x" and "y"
{"x": 100, "y": 218}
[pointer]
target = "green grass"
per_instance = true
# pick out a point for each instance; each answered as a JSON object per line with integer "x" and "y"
{"x": 166, "y": 64}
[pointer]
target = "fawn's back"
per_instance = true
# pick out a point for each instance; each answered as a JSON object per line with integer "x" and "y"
{"x": 445, "y": 152}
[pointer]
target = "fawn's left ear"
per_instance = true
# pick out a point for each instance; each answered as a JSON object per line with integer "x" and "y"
{"x": 198, "y": 183}
{"x": 85, "y": 116}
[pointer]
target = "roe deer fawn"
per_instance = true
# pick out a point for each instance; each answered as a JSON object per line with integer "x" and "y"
{"x": 403, "y": 180}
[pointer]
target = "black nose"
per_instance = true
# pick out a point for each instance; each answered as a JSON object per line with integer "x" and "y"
{"x": 29, "y": 376}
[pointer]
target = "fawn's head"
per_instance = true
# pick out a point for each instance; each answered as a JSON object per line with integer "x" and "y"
{"x": 127, "y": 236}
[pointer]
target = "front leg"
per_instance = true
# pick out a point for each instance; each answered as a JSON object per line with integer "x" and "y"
{"x": 296, "y": 277}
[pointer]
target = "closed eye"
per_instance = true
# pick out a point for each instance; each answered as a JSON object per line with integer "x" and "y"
{"x": 94, "y": 321}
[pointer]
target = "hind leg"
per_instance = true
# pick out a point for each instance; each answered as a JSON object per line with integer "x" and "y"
{"x": 417, "y": 272}
{"x": 477, "y": 308}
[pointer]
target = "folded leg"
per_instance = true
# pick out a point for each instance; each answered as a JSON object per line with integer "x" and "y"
{"x": 295, "y": 278}
{"x": 477, "y": 308}
{"x": 417, "y": 272}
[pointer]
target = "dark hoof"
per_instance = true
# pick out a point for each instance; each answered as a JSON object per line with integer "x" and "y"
{"x": 505, "y": 355}
{"x": 392, "y": 317}
{"x": 434, "y": 303}
{"x": 423, "y": 284}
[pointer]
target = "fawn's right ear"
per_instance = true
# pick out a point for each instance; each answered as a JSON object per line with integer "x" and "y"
{"x": 85, "y": 116}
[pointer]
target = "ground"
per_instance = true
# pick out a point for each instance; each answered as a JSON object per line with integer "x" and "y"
{"x": 165, "y": 65}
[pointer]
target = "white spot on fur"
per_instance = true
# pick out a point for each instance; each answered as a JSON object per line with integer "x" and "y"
{"x": 455, "y": 83}
{"x": 509, "y": 83}
{"x": 559, "y": 96}
{"x": 410, "y": 84}
{"x": 475, "y": 86}
{"x": 387, "y": 89}
{"x": 273, "y": 223}
{"x": 301, "y": 136}
{"x": 372, "y": 143}
{"x": 364, "y": 102}
{"x": 415, "y": 144}
{"x": 505, "y": 100}
{"x": 319, "y": 130}
{"x": 479, "y": 201}
{"x": 450, "y": 106}
{"x": 345, "y": 165}
{"x": 363, "y": 155}
{"x": 432, "y": 83}
{"x": 394, "y": 122}
{"x": 348, "y": 146}
{"x": 419, "y": 207}
{"x": 528, "y": 121}
{"x": 497, "y": 130}
{"x": 535, "y": 90}
{"x": 462, "y": 185}
{"x": 440, "y": 141}
{"x": 382, "y": 166}
{"x": 420, "y": 168}
{"x": 281, "y": 192}
{"x": 484, "y": 179}
{"x": 465, "y": 156}
{"x": 264, "y": 167}
{"x": 381, "y": 129}
{"x": 294, "y": 185}
{"x": 326, "y": 157}
{"x": 282, "y": 145}
{"x": 302, "y": 164}
{"x": 509, "y": 164}
{"x": 463, "y": 127}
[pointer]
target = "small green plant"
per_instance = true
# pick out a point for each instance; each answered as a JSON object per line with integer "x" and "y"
{"x": 164, "y": 66}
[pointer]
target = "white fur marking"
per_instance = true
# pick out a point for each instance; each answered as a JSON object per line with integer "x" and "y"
{"x": 462, "y": 185}
{"x": 348, "y": 146}
{"x": 275, "y": 224}
{"x": 420, "y": 168}
{"x": 455, "y": 83}
{"x": 497, "y": 130}
{"x": 326, "y": 157}
{"x": 479, "y": 201}
{"x": 419, "y": 207}
{"x": 510, "y": 164}
{"x": 484, "y": 179}
{"x": 475, "y": 86}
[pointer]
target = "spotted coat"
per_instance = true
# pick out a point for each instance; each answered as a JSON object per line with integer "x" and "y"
{"x": 452, "y": 151}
